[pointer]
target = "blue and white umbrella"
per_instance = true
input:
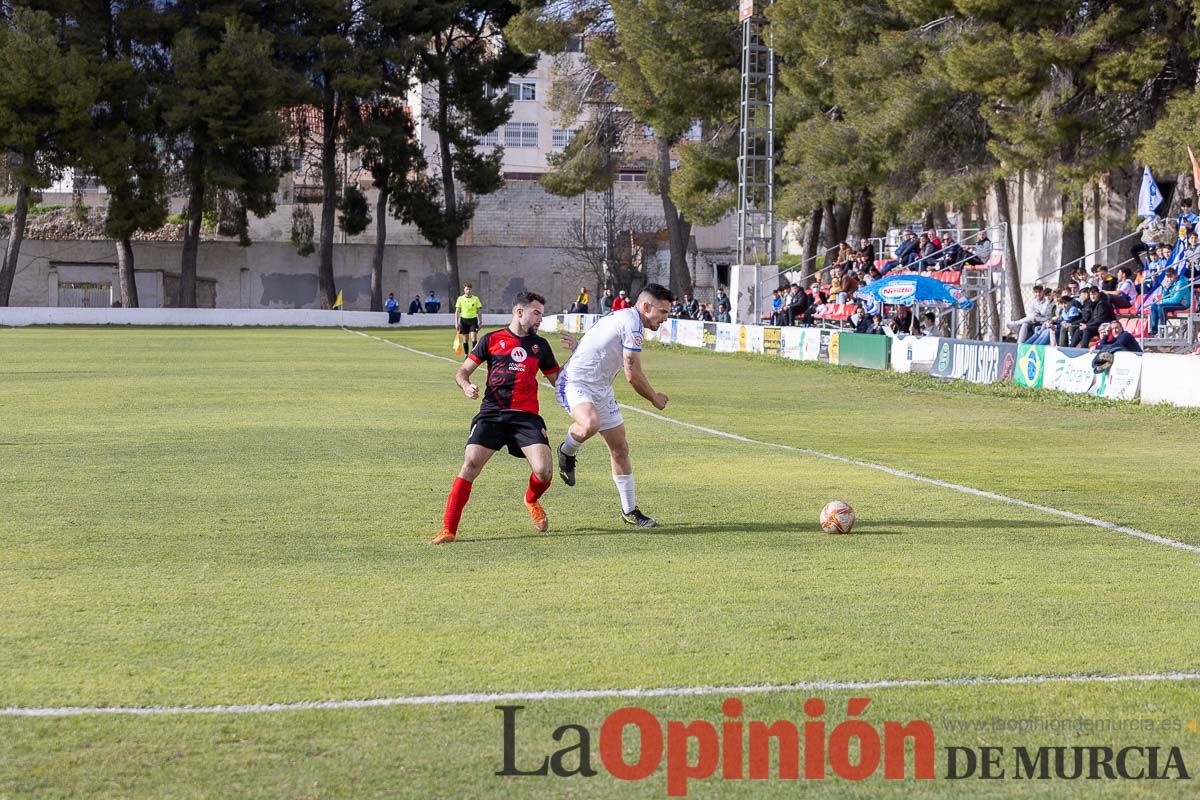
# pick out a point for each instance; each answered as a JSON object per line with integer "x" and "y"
{"x": 910, "y": 290}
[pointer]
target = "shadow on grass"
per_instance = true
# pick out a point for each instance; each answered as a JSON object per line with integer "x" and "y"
{"x": 874, "y": 527}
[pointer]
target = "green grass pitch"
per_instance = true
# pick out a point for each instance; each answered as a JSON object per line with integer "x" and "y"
{"x": 201, "y": 517}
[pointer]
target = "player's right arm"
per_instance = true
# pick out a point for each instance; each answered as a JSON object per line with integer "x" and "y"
{"x": 477, "y": 356}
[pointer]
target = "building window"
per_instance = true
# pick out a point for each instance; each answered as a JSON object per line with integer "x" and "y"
{"x": 488, "y": 139}
{"x": 523, "y": 90}
{"x": 492, "y": 92}
{"x": 561, "y": 137}
{"x": 695, "y": 133}
{"x": 631, "y": 177}
{"x": 521, "y": 134}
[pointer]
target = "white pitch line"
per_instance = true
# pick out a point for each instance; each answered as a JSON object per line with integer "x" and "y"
{"x": 899, "y": 473}
{"x": 591, "y": 694}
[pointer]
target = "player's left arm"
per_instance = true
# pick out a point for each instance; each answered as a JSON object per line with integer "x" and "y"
{"x": 638, "y": 380}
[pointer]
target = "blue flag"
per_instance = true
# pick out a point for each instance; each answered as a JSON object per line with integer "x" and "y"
{"x": 1149, "y": 198}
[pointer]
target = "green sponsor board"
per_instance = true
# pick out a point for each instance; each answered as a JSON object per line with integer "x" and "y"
{"x": 1030, "y": 370}
{"x": 864, "y": 350}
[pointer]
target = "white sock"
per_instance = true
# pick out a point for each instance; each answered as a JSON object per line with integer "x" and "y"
{"x": 625, "y": 489}
{"x": 570, "y": 446}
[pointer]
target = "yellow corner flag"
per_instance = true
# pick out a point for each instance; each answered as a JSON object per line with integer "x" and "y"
{"x": 338, "y": 302}
{"x": 458, "y": 344}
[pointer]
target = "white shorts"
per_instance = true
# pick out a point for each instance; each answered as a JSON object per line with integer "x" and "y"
{"x": 571, "y": 393}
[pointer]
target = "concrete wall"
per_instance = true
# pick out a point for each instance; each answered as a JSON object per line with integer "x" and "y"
{"x": 272, "y": 275}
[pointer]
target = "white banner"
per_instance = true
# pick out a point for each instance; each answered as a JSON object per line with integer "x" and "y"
{"x": 793, "y": 343}
{"x": 690, "y": 333}
{"x": 754, "y": 338}
{"x": 811, "y": 349}
{"x": 1169, "y": 378}
{"x": 1072, "y": 374}
{"x": 909, "y": 349}
{"x": 1122, "y": 379}
{"x": 727, "y": 337}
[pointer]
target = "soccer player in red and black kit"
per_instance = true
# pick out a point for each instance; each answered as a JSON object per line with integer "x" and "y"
{"x": 508, "y": 416}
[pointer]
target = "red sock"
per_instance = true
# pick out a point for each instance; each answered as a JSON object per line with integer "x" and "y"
{"x": 536, "y": 488}
{"x": 460, "y": 493}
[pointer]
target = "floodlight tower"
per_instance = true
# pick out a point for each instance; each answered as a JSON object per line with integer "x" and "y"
{"x": 756, "y": 162}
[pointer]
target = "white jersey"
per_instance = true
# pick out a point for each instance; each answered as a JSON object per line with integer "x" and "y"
{"x": 600, "y": 354}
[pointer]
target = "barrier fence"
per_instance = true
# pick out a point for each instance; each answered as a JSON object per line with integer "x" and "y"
{"x": 1152, "y": 378}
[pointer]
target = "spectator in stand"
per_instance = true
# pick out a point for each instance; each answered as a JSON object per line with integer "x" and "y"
{"x": 1117, "y": 339}
{"x": 905, "y": 253}
{"x": 1154, "y": 230}
{"x": 433, "y": 303}
{"x": 798, "y": 302}
{"x": 706, "y": 314}
{"x": 952, "y": 254}
{"x": 932, "y": 326}
{"x": 723, "y": 298}
{"x": 1099, "y": 313}
{"x": 776, "y": 307}
{"x": 676, "y": 310}
{"x": 723, "y": 313}
{"x": 1124, "y": 295}
{"x": 621, "y": 301}
{"x": 928, "y": 254}
{"x": 867, "y": 248}
{"x": 1039, "y": 311}
{"x": 1081, "y": 276}
{"x": 864, "y": 322}
{"x": 1176, "y": 296}
{"x": 582, "y": 301}
{"x": 606, "y": 301}
{"x": 691, "y": 309}
{"x": 1191, "y": 253}
{"x": 835, "y": 285}
{"x": 819, "y": 298}
{"x": 902, "y": 320}
{"x": 1102, "y": 278}
{"x": 1069, "y": 319}
{"x": 862, "y": 265}
{"x": 1159, "y": 262}
{"x": 1186, "y": 221}
{"x": 845, "y": 254}
{"x": 933, "y": 237}
{"x": 1044, "y": 334}
{"x": 850, "y": 285}
{"x": 982, "y": 252}
{"x": 415, "y": 306}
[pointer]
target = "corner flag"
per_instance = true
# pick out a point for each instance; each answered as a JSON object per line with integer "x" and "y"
{"x": 1149, "y": 198}
{"x": 338, "y": 302}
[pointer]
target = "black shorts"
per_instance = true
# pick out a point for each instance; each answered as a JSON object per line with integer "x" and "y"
{"x": 468, "y": 325}
{"x": 496, "y": 430}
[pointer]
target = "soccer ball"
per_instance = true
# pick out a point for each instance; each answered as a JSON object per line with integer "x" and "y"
{"x": 837, "y": 517}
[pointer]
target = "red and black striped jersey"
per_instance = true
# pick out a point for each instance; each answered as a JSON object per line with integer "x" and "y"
{"x": 512, "y": 363}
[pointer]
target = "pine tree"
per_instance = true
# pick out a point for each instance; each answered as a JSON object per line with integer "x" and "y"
{"x": 222, "y": 94}
{"x": 465, "y": 68}
{"x": 46, "y": 92}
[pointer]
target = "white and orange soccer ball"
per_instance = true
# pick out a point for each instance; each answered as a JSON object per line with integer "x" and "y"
{"x": 837, "y": 517}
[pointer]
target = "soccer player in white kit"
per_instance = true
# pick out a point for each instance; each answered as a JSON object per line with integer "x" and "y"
{"x": 584, "y": 389}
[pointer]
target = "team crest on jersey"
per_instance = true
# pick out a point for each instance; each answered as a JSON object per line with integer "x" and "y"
{"x": 637, "y": 339}
{"x": 533, "y": 349}
{"x": 518, "y": 354}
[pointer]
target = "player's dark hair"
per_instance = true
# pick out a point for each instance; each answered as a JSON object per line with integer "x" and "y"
{"x": 658, "y": 292}
{"x": 525, "y": 298}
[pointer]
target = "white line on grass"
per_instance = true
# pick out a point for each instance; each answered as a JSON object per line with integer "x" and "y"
{"x": 590, "y": 694}
{"x": 899, "y": 473}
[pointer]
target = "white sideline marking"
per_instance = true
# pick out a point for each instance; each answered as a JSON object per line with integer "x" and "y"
{"x": 589, "y": 694}
{"x": 899, "y": 473}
